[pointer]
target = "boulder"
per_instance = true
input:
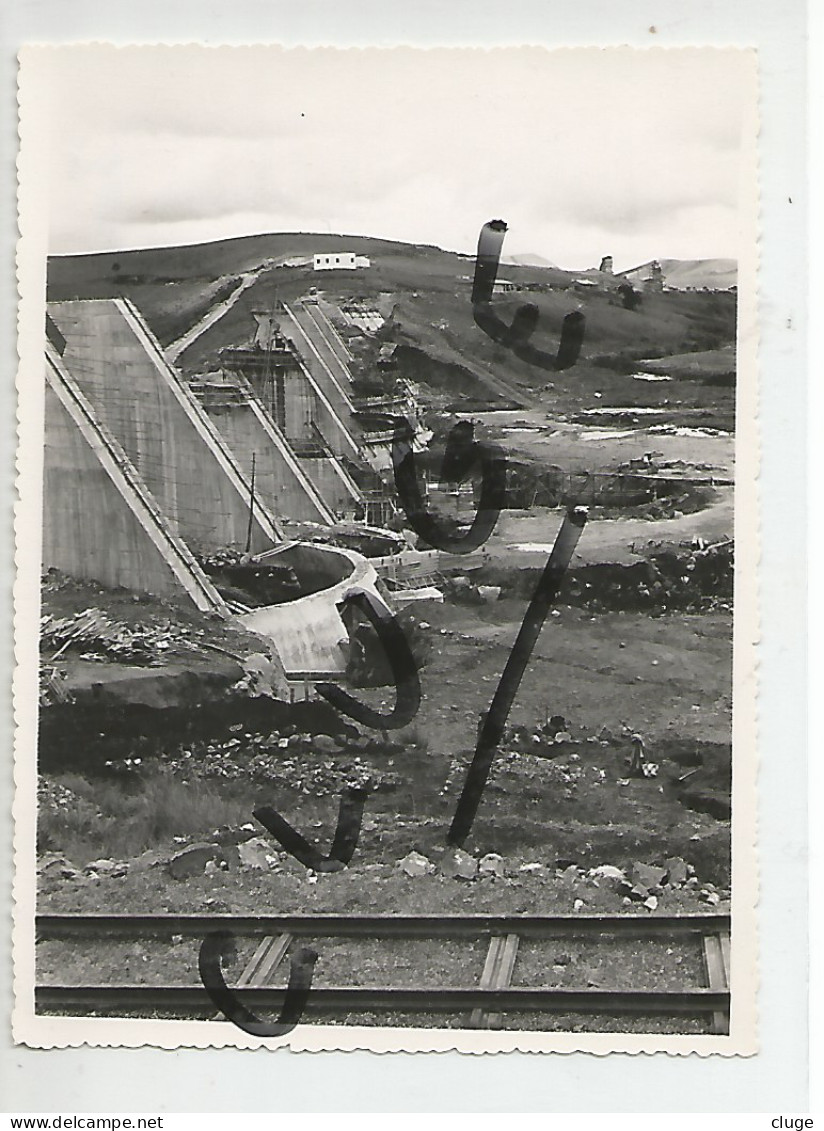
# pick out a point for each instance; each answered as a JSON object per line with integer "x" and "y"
{"x": 489, "y": 593}
{"x": 191, "y": 861}
{"x": 257, "y": 853}
{"x": 648, "y": 875}
{"x": 325, "y": 744}
{"x": 677, "y": 873}
{"x": 416, "y": 865}
{"x": 151, "y": 858}
{"x": 491, "y": 865}
{"x": 458, "y": 864}
{"x": 608, "y": 872}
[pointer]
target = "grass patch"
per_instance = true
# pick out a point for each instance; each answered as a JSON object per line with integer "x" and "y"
{"x": 96, "y": 818}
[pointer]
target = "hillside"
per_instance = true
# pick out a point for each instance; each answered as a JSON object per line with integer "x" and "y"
{"x": 690, "y": 274}
{"x": 424, "y": 292}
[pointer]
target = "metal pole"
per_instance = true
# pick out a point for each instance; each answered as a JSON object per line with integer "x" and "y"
{"x": 251, "y": 506}
{"x": 495, "y": 721}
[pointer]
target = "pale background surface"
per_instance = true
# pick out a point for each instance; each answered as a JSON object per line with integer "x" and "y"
{"x": 775, "y": 1080}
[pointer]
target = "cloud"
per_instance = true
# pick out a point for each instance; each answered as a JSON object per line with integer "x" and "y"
{"x": 573, "y": 146}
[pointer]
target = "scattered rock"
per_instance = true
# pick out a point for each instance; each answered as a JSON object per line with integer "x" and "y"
{"x": 535, "y": 867}
{"x": 53, "y": 865}
{"x": 325, "y": 744}
{"x": 149, "y": 859}
{"x": 651, "y": 902}
{"x": 647, "y": 875}
{"x": 257, "y": 853}
{"x": 229, "y": 856}
{"x": 577, "y": 905}
{"x": 491, "y": 865}
{"x": 416, "y": 865}
{"x": 712, "y": 897}
{"x": 191, "y": 861}
{"x": 638, "y": 893}
{"x": 677, "y": 872}
{"x": 106, "y": 867}
{"x": 608, "y": 872}
{"x": 458, "y": 864}
{"x": 489, "y": 593}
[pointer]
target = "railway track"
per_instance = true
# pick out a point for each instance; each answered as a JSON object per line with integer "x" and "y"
{"x": 482, "y": 1005}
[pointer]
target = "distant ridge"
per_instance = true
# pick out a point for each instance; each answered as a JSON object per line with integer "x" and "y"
{"x": 681, "y": 274}
{"x": 528, "y": 261}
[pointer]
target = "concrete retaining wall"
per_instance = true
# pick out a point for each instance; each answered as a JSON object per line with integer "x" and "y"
{"x": 140, "y": 399}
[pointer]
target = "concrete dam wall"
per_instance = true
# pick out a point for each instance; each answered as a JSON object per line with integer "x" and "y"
{"x": 304, "y": 327}
{"x": 143, "y": 403}
{"x": 99, "y": 521}
{"x": 281, "y": 481}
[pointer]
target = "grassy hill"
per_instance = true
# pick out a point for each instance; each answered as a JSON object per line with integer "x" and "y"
{"x": 690, "y": 274}
{"x": 426, "y": 292}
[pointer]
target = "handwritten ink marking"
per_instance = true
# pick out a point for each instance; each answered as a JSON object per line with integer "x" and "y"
{"x": 516, "y": 336}
{"x": 344, "y": 842}
{"x": 401, "y": 661}
{"x": 463, "y": 452}
{"x": 220, "y": 944}
{"x": 493, "y": 725}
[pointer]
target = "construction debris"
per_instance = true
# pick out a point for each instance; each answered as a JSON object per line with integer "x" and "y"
{"x": 99, "y": 637}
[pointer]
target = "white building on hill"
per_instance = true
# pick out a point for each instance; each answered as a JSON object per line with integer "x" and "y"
{"x": 341, "y": 261}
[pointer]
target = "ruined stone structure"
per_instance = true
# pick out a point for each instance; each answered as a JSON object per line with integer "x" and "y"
{"x": 606, "y": 265}
{"x": 655, "y": 282}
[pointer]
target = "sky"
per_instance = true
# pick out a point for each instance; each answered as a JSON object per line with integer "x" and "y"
{"x": 627, "y": 152}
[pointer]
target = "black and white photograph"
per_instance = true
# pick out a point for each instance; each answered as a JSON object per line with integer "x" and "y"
{"x": 386, "y": 595}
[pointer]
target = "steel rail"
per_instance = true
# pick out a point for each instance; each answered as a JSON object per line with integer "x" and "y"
{"x": 379, "y": 926}
{"x": 356, "y": 999}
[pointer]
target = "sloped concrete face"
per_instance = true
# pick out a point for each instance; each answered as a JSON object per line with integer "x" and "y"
{"x": 166, "y": 435}
{"x": 280, "y": 479}
{"x": 339, "y": 491}
{"x": 307, "y": 329}
{"x": 99, "y": 522}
